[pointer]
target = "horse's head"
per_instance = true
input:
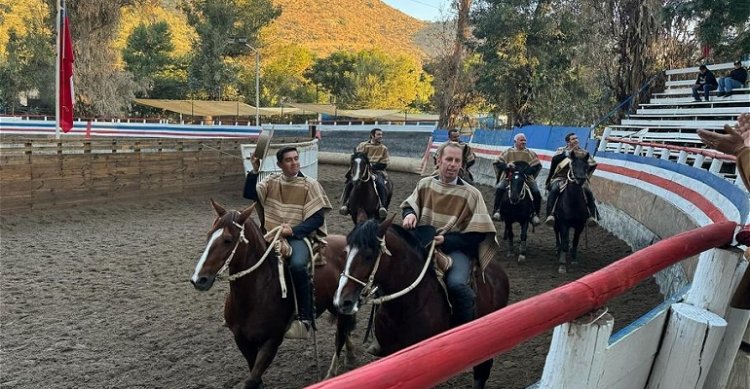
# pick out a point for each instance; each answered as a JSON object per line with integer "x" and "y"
{"x": 365, "y": 246}
{"x": 579, "y": 167}
{"x": 359, "y": 166}
{"x": 517, "y": 177}
{"x": 225, "y": 236}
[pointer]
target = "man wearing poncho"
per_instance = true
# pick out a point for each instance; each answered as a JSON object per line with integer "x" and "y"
{"x": 298, "y": 205}
{"x": 465, "y": 229}
{"x": 558, "y": 173}
{"x": 379, "y": 158}
{"x": 519, "y": 153}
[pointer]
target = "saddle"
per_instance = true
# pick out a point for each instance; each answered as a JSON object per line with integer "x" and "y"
{"x": 284, "y": 249}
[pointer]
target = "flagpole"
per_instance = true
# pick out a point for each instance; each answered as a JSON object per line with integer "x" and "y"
{"x": 58, "y": 60}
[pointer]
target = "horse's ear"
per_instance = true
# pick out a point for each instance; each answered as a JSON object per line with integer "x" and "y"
{"x": 384, "y": 225}
{"x": 218, "y": 208}
{"x": 361, "y": 216}
{"x": 245, "y": 214}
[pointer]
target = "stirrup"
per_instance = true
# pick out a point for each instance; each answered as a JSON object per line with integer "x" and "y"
{"x": 535, "y": 221}
{"x": 590, "y": 222}
{"x": 550, "y": 221}
{"x": 497, "y": 216}
{"x": 299, "y": 329}
{"x": 344, "y": 210}
{"x": 383, "y": 213}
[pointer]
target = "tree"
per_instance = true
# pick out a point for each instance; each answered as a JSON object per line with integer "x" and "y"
{"x": 29, "y": 67}
{"x": 723, "y": 25}
{"x": 147, "y": 50}
{"x": 283, "y": 76}
{"x": 215, "y": 22}
{"x": 101, "y": 88}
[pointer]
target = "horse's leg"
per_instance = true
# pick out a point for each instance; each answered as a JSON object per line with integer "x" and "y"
{"x": 561, "y": 256}
{"x": 482, "y": 373}
{"x": 249, "y": 351}
{"x": 574, "y": 246}
{"x": 509, "y": 236}
{"x": 522, "y": 246}
{"x": 266, "y": 354}
{"x": 344, "y": 326}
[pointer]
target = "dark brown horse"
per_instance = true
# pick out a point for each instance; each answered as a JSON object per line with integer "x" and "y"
{"x": 254, "y": 310}
{"x": 385, "y": 261}
{"x": 515, "y": 204}
{"x": 571, "y": 212}
{"x": 363, "y": 195}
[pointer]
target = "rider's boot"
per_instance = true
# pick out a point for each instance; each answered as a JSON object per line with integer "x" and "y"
{"x": 537, "y": 209}
{"x": 462, "y": 300}
{"x": 591, "y": 221}
{"x": 344, "y": 210}
{"x": 551, "y": 199}
{"x": 300, "y": 328}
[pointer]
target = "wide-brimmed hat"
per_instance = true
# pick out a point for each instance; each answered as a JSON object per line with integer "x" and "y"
{"x": 264, "y": 140}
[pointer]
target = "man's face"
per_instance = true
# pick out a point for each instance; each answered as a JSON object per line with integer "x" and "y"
{"x": 449, "y": 163}
{"x": 521, "y": 143}
{"x": 377, "y": 137}
{"x": 290, "y": 164}
{"x": 454, "y": 136}
{"x": 573, "y": 142}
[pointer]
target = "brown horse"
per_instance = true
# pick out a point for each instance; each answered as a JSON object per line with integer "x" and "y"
{"x": 385, "y": 260}
{"x": 363, "y": 195}
{"x": 255, "y": 310}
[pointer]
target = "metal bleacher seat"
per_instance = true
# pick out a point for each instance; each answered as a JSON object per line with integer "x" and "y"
{"x": 672, "y": 117}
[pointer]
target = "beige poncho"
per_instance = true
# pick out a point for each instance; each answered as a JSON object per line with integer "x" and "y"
{"x": 375, "y": 153}
{"x": 454, "y": 208}
{"x": 291, "y": 200}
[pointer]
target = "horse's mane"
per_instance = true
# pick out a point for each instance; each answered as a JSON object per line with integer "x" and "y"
{"x": 364, "y": 233}
{"x": 359, "y": 154}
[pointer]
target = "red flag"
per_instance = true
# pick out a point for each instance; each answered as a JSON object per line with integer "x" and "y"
{"x": 66, "y": 75}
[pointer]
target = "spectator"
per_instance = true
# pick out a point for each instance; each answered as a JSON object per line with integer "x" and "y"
{"x": 705, "y": 82}
{"x": 737, "y": 78}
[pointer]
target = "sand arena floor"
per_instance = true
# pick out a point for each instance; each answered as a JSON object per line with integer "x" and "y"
{"x": 99, "y": 297}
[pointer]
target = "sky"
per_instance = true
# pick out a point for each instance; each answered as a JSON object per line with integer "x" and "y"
{"x": 429, "y": 10}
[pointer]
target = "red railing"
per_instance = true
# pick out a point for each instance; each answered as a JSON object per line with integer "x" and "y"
{"x": 435, "y": 360}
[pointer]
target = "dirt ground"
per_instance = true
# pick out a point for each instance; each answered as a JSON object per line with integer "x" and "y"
{"x": 99, "y": 297}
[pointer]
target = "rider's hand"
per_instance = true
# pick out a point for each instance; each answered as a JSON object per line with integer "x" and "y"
{"x": 439, "y": 239}
{"x": 256, "y": 164}
{"x": 511, "y": 166}
{"x": 286, "y": 230}
{"x": 410, "y": 221}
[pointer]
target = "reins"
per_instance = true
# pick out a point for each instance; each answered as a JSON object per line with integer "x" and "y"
{"x": 368, "y": 291}
{"x": 243, "y": 239}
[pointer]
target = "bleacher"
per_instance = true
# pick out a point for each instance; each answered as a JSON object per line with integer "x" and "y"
{"x": 672, "y": 117}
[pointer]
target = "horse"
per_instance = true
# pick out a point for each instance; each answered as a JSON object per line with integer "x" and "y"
{"x": 571, "y": 211}
{"x": 255, "y": 310}
{"x": 386, "y": 258}
{"x": 363, "y": 195}
{"x": 516, "y": 206}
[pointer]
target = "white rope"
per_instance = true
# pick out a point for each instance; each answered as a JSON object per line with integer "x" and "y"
{"x": 413, "y": 285}
{"x": 235, "y": 276}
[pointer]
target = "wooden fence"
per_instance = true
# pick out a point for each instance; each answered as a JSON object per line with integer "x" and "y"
{"x": 43, "y": 173}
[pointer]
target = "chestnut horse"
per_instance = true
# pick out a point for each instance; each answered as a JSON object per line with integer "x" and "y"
{"x": 255, "y": 310}
{"x": 363, "y": 195}
{"x": 385, "y": 259}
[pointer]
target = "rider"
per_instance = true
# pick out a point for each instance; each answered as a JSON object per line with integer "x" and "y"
{"x": 465, "y": 229}
{"x": 469, "y": 158}
{"x": 559, "y": 172}
{"x": 298, "y": 205}
{"x": 519, "y": 153}
{"x": 378, "y": 155}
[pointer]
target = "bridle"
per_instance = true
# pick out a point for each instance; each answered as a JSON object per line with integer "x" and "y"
{"x": 369, "y": 290}
{"x": 525, "y": 189}
{"x": 243, "y": 239}
{"x": 365, "y": 172}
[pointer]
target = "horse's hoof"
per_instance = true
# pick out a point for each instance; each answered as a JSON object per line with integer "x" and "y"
{"x": 562, "y": 269}
{"x": 521, "y": 258}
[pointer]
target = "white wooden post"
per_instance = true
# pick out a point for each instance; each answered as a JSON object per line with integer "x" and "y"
{"x": 638, "y": 150}
{"x": 603, "y": 144}
{"x": 688, "y": 348}
{"x": 682, "y": 158}
{"x": 649, "y": 151}
{"x": 718, "y": 375}
{"x": 698, "y": 162}
{"x": 716, "y": 277}
{"x": 665, "y": 154}
{"x": 715, "y": 166}
{"x": 577, "y": 353}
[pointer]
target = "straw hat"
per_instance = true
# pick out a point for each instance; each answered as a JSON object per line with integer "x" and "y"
{"x": 264, "y": 140}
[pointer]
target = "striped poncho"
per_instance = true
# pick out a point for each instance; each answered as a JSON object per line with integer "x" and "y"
{"x": 454, "y": 208}
{"x": 376, "y": 153}
{"x": 292, "y": 200}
